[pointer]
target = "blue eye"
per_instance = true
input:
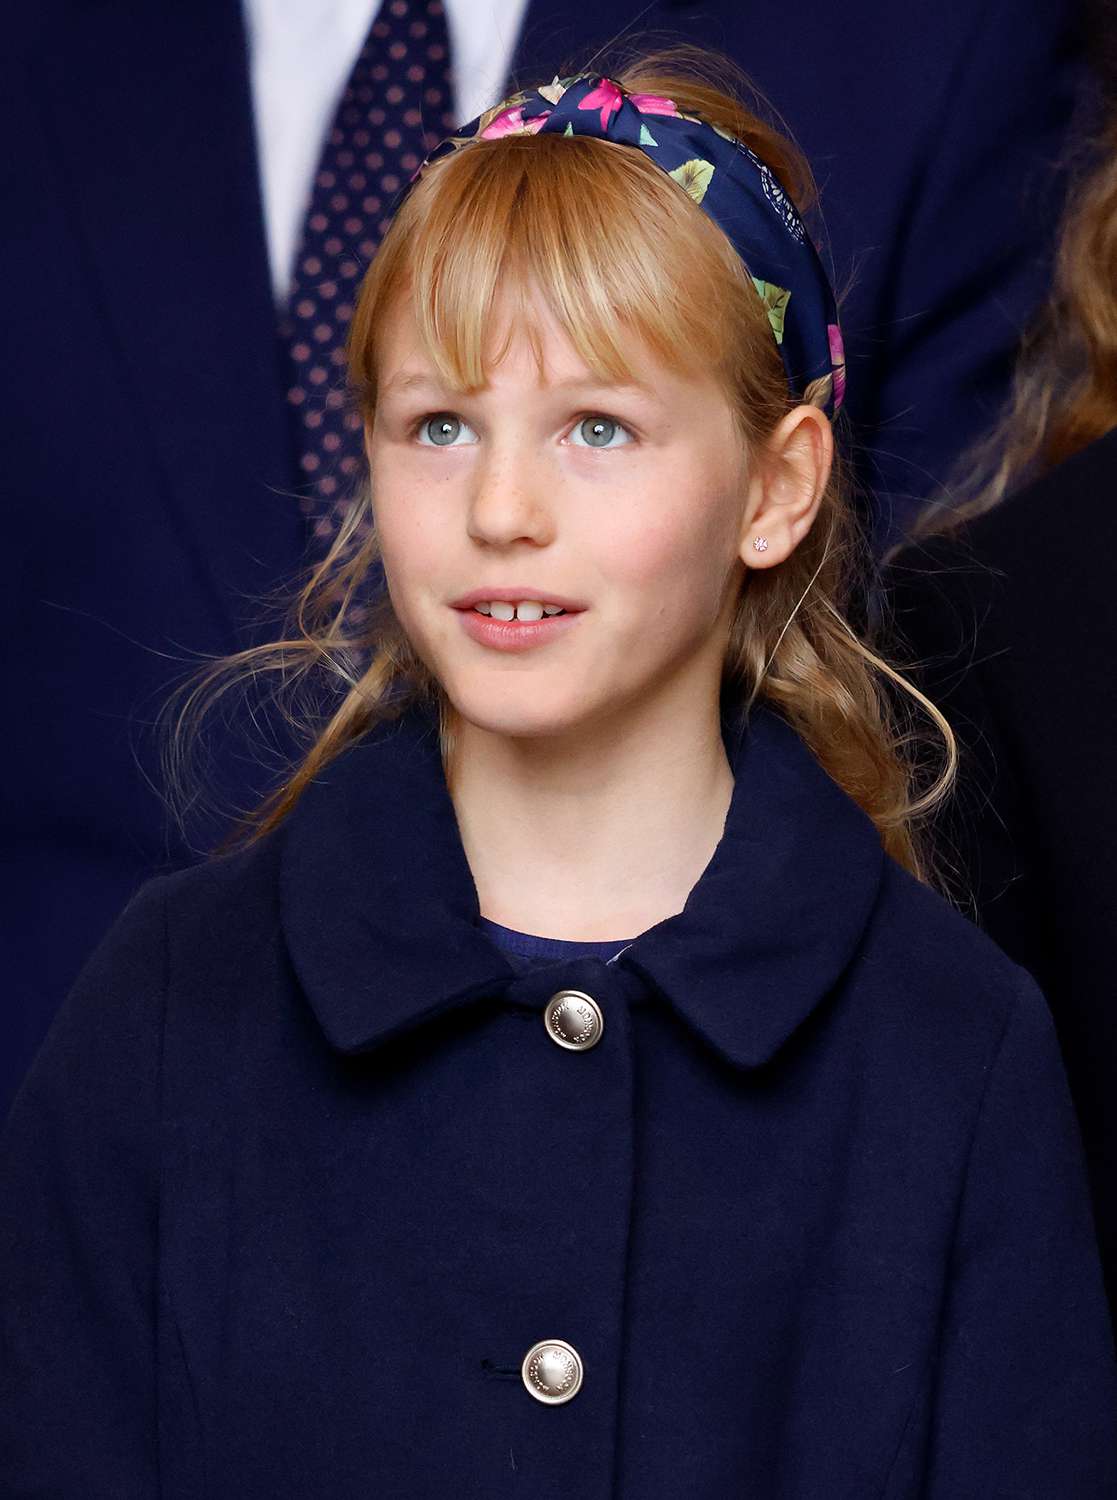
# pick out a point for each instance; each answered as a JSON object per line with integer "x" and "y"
{"x": 599, "y": 432}
{"x": 441, "y": 430}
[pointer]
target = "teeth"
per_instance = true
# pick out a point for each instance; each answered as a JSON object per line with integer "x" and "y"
{"x": 526, "y": 609}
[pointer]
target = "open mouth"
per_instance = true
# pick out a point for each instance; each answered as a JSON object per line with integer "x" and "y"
{"x": 526, "y": 609}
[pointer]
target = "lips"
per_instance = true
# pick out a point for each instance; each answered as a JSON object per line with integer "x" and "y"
{"x": 516, "y": 596}
{"x": 517, "y": 635}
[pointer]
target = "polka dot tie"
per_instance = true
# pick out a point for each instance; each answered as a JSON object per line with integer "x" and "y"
{"x": 396, "y": 107}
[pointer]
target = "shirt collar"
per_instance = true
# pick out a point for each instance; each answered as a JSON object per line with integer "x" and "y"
{"x": 379, "y": 907}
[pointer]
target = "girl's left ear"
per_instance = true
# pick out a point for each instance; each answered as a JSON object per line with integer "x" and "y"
{"x": 787, "y": 487}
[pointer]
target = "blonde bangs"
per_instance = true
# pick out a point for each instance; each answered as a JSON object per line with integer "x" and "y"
{"x": 596, "y": 232}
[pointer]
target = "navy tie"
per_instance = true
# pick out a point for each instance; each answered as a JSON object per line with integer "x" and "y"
{"x": 396, "y": 107}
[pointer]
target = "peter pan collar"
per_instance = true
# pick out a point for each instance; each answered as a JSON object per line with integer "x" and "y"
{"x": 379, "y": 907}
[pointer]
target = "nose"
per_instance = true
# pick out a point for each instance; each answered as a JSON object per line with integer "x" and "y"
{"x": 509, "y": 500}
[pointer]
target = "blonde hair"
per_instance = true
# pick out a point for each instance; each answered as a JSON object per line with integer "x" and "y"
{"x": 617, "y": 250}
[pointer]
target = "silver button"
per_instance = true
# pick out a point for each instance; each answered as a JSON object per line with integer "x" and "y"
{"x": 552, "y": 1371}
{"x": 573, "y": 1019}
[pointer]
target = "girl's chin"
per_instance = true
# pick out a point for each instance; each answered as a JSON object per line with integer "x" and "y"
{"x": 519, "y": 707}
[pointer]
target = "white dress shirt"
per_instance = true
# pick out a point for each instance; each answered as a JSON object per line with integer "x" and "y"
{"x": 301, "y": 53}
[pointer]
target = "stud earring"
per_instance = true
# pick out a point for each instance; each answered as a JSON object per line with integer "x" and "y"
{"x": 760, "y": 544}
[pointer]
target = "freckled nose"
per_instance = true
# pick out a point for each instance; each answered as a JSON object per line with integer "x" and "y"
{"x": 508, "y": 504}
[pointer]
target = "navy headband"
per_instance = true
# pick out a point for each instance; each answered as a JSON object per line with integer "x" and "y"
{"x": 738, "y": 191}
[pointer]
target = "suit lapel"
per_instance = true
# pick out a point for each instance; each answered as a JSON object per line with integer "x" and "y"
{"x": 150, "y": 110}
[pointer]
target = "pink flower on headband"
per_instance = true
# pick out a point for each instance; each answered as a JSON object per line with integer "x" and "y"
{"x": 512, "y": 122}
{"x": 838, "y": 360}
{"x": 606, "y": 96}
{"x": 654, "y": 104}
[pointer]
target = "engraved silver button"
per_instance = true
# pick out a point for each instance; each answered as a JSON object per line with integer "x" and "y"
{"x": 552, "y": 1371}
{"x": 573, "y": 1019}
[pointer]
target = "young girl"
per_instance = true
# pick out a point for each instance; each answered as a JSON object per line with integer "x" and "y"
{"x": 571, "y": 1084}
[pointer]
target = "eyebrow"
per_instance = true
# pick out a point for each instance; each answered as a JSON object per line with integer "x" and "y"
{"x": 418, "y": 381}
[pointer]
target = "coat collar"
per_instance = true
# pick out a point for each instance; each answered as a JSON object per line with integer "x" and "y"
{"x": 379, "y": 907}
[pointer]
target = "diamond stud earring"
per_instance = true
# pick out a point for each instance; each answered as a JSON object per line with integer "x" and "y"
{"x": 760, "y": 544}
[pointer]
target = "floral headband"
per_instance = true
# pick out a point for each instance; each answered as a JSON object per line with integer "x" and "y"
{"x": 738, "y": 191}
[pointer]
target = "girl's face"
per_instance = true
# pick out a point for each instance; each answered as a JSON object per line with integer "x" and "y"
{"x": 626, "y": 504}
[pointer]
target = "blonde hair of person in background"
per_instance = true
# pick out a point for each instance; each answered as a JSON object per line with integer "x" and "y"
{"x": 1064, "y": 392}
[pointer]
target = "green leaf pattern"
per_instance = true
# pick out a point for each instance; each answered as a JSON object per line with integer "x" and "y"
{"x": 775, "y": 299}
{"x": 694, "y": 177}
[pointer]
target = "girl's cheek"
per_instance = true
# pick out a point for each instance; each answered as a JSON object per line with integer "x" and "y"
{"x": 663, "y": 554}
{"x": 407, "y": 527}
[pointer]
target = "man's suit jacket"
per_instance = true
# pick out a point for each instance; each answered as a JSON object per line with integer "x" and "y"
{"x": 147, "y": 460}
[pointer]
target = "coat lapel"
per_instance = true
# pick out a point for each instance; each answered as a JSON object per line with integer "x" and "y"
{"x": 379, "y": 906}
{"x": 150, "y": 112}
{"x": 378, "y": 902}
{"x": 781, "y": 909}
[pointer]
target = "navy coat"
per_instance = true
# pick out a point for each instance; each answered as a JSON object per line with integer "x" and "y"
{"x": 987, "y": 615}
{"x": 299, "y": 1177}
{"x": 148, "y": 470}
